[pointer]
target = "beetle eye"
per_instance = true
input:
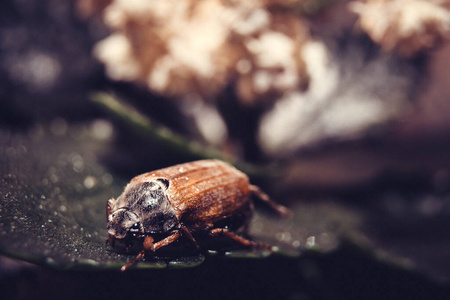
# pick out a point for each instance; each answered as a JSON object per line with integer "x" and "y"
{"x": 164, "y": 181}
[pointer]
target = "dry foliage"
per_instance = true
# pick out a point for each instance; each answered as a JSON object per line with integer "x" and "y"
{"x": 187, "y": 47}
{"x": 406, "y": 26}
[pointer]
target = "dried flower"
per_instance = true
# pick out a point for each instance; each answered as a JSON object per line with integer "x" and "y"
{"x": 185, "y": 47}
{"x": 349, "y": 94}
{"x": 407, "y": 26}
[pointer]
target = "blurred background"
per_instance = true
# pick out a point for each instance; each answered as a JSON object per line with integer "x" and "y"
{"x": 342, "y": 100}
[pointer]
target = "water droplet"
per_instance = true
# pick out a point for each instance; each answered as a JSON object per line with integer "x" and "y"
{"x": 54, "y": 178}
{"x": 78, "y": 163}
{"x": 49, "y": 260}
{"x": 79, "y": 187}
{"x": 311, "y": 241}
{"x": 279, "y": 236}
{"x": 283, "y": 236}
{"x": 90, "y": 182}
{"x": 107, "y": 179}
{"x": 102, "y": 129}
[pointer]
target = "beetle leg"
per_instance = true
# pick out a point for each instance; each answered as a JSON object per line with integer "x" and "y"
{"x": 248, "y": 214}
{"x": 150, "y": 246}
{"x": 189, "y": 236}
{"x": 133, "y": 261}
{"x": 148, "y": 243}
{"x": 168, "y": 240}
{"x": 237, "y": 238}
{"x": 109, "y": 240}
{"x": 280, "y": 209}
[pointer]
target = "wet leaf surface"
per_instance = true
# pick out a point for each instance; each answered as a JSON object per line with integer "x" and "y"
{"x": 54, "y": 189}
{"x": 54, "y": 185}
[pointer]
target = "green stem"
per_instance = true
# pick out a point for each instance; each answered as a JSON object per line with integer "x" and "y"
{"x": 164, "y": 136}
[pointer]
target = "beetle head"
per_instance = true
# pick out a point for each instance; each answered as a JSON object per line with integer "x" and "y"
{"x": 123, "y": 222}
{"x": 142, "y": 209}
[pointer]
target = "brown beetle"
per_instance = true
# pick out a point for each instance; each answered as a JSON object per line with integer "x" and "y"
{"x": 201, "y": 196}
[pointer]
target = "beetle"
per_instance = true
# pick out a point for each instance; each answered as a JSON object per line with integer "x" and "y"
{"x": 205, "y": 196}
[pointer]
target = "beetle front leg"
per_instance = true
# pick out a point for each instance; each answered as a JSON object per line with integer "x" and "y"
{"x": 133, "y": 261}
{"x": 237, "y": 238}
{"x": 164, "y": 242}
{"x": 188, "y": 234}
{"x": 148, "y": 244}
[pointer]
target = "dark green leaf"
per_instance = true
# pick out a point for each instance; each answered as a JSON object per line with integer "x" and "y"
{"x": 54, "y": 190}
